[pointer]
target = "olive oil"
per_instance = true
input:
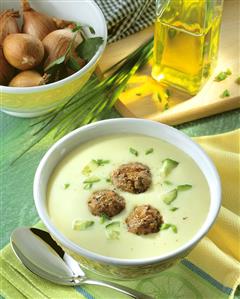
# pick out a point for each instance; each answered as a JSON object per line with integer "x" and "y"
{"x": 186, "y": 42}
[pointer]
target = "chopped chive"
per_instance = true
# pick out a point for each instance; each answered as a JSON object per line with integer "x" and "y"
{"x": 238, "y": 80}
{"x": 174, "y": 209}
{"x": 113, "y": 230}
{"x": 103, "y": 218}
{"x": 170, "y": 196}
{"x": 168, "y": 183}
{"x": 221, "y": 76}
{"x": 138, "y": 94}
{"x": 82, "y": 224}
{"x": 167, "y": 166}
{"x": 174, "y": 228}
{"x": 149, "y": 151}
{"x": 228, "y": 72}
{"x": 165, "y": 226}
{"x": 89, "y": 182}
{"x": 101, "y": 162}
{"x": 89, "y": 168}
{"x": 66, "y": 185}
{"x": 184, "y": 218}
{"x": 86, "y": 170}
{"x": 225, "y": 94}
{"x": 133, "y": 151}
{"x": 168, "y": 92}
{"x": 108, "y": 180}
{"x": 87, "y": 186}
{"x": 184, "y": 187}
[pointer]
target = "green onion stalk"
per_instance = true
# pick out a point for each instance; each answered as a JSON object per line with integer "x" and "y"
{"x": 93, "y": 102}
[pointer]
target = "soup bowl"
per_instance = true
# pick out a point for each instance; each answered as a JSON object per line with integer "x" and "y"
{"x": 39, "y": 100}
{"x": 117, "y": 267}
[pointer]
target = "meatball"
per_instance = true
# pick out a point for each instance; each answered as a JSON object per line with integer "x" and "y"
{"x": 132, "y": 177}
{"x": 144, "y": 220}
{"x": 106, "y": 202}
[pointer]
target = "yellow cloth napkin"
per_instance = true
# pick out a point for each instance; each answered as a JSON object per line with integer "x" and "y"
{"x": 211, "y": 271}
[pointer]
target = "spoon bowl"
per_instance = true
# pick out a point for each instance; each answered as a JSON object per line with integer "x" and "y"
{"x": 40, "y": 254}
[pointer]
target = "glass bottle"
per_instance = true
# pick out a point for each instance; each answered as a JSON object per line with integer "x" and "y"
{"x": 186, "y": 41}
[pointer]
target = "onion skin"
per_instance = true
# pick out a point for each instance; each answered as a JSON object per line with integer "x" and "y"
{"x": 39, "y": 24}
{"x": 57, "y": 42}
{"x": 36, "y": 23}
{"x": 6, "y": 70}
{"x": 28, "y": 79}
{"x": 23, "y": 51}
{"x": 8, "y": 23}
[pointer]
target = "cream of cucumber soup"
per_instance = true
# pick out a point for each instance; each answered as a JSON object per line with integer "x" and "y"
{"x": 128, "y": 196}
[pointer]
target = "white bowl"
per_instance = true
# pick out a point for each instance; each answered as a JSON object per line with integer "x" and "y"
{"x": 115, "y": 267}
{"x": 35, "y": 101}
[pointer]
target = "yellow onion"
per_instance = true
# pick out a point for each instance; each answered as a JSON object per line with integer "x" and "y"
{"x": 23, "y": 51}
{"x": 57, "y": 42}
{"x": 8, "y": 23}
{"x": 6, "y": 70}
{"x": 39, "y": 24}
{"x": 28, "y": 79}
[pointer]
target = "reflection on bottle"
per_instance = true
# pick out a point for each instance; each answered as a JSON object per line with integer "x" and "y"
{"x": 186, "y": 42}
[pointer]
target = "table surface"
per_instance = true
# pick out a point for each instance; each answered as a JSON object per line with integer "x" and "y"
{"x": 17, "y": 205}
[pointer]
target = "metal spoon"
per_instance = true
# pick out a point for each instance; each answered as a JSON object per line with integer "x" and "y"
{"x": 39, "y": 253}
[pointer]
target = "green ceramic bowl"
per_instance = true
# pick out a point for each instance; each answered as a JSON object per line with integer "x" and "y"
{"x": 35, "y": 101}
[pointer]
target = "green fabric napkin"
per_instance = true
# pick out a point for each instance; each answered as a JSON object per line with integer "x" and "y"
{"x": 183, "y": 281}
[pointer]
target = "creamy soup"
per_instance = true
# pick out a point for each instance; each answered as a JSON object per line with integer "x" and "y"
{"x": 179, "y": 192}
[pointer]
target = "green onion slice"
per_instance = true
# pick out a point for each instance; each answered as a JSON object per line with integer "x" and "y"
{"x": 174, "y": 209}
{"x": 103, "y": 218}
{"x": 149, "y": 151}
{"x": 133, "y": 151}
{"x": 113, "y": 230}
{"x": 66, "y": 185}
{"x": 167, "y": 166}
{"x": 170, "y": 196}
{"x": 82, "y": 224}
{"x": 184, "y": 187}
{"x": 165, "y": 226}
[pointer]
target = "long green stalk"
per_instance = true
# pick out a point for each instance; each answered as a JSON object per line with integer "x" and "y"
{"x": 93, "y": 101}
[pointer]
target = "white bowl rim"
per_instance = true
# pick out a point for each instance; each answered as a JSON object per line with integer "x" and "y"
{"x": 81, "y": 72}
{"x": 119, "y": 261}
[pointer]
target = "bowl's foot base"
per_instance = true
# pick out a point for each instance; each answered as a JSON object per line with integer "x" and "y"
{"x": 26, "y": 114}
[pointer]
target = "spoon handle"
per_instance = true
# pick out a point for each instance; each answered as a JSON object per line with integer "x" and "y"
{"x": 117, "y": 287}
